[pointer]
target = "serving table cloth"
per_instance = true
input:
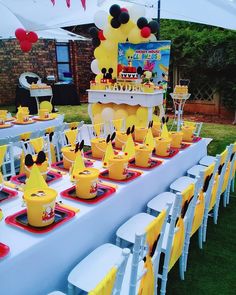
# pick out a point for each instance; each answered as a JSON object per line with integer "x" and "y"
{"x": 40, "y": 263}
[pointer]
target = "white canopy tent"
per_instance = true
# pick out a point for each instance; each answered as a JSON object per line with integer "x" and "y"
{"x": 41, "y": 15}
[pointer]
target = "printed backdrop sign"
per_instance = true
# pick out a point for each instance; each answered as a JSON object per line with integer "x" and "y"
{"x": 153, "y": 57}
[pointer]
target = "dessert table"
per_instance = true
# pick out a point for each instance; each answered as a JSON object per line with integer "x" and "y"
{"x": 38, "y": 125}
{"x": 40, "y": 263}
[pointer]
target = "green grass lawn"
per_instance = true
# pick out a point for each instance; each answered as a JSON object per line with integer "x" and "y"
{"x": 211, "y": 271}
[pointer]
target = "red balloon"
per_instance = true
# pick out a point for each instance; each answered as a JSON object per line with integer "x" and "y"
{"x": 124, "y": 9}
{"x": 20, "y": 34}
{"x": 32, "y": 37}
{"x": 25, "y": 45}
{"x": 101, "y": 36}
{"x": 145, "y": 32}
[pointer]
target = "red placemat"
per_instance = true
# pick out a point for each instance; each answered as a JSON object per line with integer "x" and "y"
{"x": 172, "y": 153}
{"x": 6, "y": 194}
{"x": 154, "y": 163}
{"x": 131, "y": 175}
{"x": 4, "y": 250}
{"x": 195, "y": 139}
{"x": 51, "y": 177}
{"x": 184, "y": 145}
{"x": 59, "y": 165}
{"x": 104, "y": 191}
{"x": 20, "y": 220}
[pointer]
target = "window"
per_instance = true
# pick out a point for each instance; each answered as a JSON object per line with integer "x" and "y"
{"x": 63, "y": 59}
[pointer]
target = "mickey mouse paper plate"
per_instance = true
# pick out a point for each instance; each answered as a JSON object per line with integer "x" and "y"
{"x": 27, "y": 78}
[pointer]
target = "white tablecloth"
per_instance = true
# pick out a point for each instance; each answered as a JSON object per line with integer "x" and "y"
{"x": 40, "y": 263}
{"x": 39, "y": 125}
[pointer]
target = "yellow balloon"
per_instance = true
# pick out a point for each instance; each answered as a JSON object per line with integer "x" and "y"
{"x": 131, "y": 110}
{"x": 142, "y": 114}
{"x": 126, "y": 28}
{"x": 97, "y": 119}
{"x": 130, "y": 121}
{"x": 121, "y": 114}
{"x": 96, "y": 109}
{"x": 134, "y": 36}
{"x": 141, "y": 123}
{"x": 98, "y": 77}
{"x": 46, "y": 105}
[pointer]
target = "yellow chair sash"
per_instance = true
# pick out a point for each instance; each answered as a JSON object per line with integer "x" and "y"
{"x": 190, "y": 124}
{"x": 73, "y": 125}
{"x": 3, "y": 149}
{"x": 223, "y": 156}
{"x": 97, "y": 129}
{"x": 153, "y": 231}
{"x": 71, "y": 136}
{"x": 178, "y": 243}
{"x": 214, "y": 192}
{"x": 37, "y": 144}
{"x": 50, "y": 130}
{"x": 187, "y": 195}
{"x": 106, "y": 286}
{"x": 25, "y": 136}
{"x": 198, "y": 213}
{"x": 226, "y": 178}
{"x": 118, "y": 124}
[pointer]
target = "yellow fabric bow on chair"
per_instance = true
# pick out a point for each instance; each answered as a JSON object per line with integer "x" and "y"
{"x": 198, "y": 213}
{"x": 71, "y": 136}
{"x": 3, "y": 149}
{"x": 37, "y": 144}
{"x": 153, "y": 230}
{"x": 106, "y": 286}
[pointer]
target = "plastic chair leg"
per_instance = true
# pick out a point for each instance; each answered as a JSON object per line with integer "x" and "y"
{"x": 200, "y": 237}
{"x": 71, "y": 289}
{"x": 164, "y": 280}
{"x": 186, "y": 248}
{"x": 216, "y": 210}
{"x": 225, "y": 198}
{"x": 205, "y": 219}
{"x": 232, "y": 184}
{"x": 118, "y": 242}
{"x": 181, "y": 267}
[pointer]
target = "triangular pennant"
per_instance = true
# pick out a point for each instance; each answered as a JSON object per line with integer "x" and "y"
{"x": 164, "y": 132}
{"x": 71, "y": 136}
{"x": 97, "y": 129}
{"x": 3, "y": 149}
{"x": 78, "y": 165}
{"x": 35, "y": 180}
{"x": 129, "y": 149}
{"x": 118, "y": 124}
{"x": 37, "y": 144}
{"x": 149, "y": 140}
{"x": 108, "y": 154}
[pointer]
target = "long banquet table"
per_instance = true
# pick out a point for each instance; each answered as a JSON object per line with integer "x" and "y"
{"x": 38, "y": 125}
{"x": 40, "y": 263}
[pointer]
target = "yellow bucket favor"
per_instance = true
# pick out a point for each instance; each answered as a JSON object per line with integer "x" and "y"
{"x": 98, "y": 146}
{"x": 176, "y": 139}
{"x": 69, "y": 156}
{"x": 43, "y": 114}
{"x": 117, "y": 167}
{"x": 120, "y": 139}
{"x": 140, "y": 133}
{"x": 188, "y": 132}
{"x": 156, "y": 129}
{"x": 162, "y": 147}
{"x": 87, "y": 183}
{"x": 143, "y": 155}
{"x": 40, "y": 206}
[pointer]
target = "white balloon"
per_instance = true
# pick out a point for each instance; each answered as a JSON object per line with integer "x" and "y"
{"x": 101, "y": 19}
{"x": 94, "y": 67}
{"x": 152, "y": 38}
{"x": 136, "y": 11}
{"x": 108, "y": 114}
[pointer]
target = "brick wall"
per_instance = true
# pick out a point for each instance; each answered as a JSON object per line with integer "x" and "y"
{"x": 13, "y": 62}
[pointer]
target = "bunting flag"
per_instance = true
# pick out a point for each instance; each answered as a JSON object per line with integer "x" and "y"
{"x": 68, "y": 3}
{"x": 83, "y": 2}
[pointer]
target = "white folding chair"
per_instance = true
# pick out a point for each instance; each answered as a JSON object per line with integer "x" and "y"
{"x": 232, "y": 173}
{"x": 87, "y": 274}
{"x": 198, "y": 129}
{"x": 8, "y": 167}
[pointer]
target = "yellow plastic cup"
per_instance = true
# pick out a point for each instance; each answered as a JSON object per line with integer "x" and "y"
{"x": 140, "y": 133}
{"x": 156, "y": 129}
{"x": 87, "y": 183}
{"x": 69, "y": 156}
{"x": 176, "y": 139}
{"x": 143, "y": 156}
{"x": 2, "y": 119}
{"x": 188, "y": 132}
{"x": 42, "y": 168}
{"x": 43, "y": 114}
{"x": 162, "y": 147}
{"x": 120, "y": 139}
{"x": 3, "y": 114}
{"x": 117, "y": 167}
{"x": 40, "y": 206}
{"x": 98, "y": 146}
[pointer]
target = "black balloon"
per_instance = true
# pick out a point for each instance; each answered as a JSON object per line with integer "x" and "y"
{"x": 115, "y": 10}
{"x": 142, "y": 22}
{"x": 153, "y": 25}
{"x": 96, "y": 42}
{"x": 124, "y": 17}
{"x": 93, "y": 32}
{"x": 115, "y": 23}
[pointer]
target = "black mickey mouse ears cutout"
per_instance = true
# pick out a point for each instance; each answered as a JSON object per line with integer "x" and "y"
{"x": 41, "y": 157}
{"x": 165, "y": 120}
{"x": 128, "y": 131}
{"x": 79, "y": 146}
{"x": 150, "y": 124}
{"x": 110, "y": 137}
{"x": 132, "y": 129}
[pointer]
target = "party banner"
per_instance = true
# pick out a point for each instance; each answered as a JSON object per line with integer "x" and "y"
{"x": 136, "y": 59}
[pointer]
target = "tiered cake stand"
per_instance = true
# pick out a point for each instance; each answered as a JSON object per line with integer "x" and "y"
{"x": 179, "y": 102}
